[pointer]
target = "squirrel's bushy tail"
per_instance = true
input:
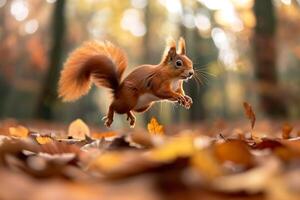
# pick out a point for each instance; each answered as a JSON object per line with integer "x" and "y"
{"x": 101, "y": 63}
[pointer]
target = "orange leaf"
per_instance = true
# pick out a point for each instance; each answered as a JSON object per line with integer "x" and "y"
{"x": 235, "y": 151}
{"x": 19, "y": 131}
{"x": 78, "y": 129}
{"x": 43, "y": 139}
{"x": 154, "y": 128}
{"x": 204, "y": 162}
{"x": 286, "y": 130}
{"x": 104, "y": 135}
{"x": 249, "y": 113}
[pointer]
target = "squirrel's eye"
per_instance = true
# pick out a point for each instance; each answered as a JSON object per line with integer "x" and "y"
{"x": 178, "y": 63}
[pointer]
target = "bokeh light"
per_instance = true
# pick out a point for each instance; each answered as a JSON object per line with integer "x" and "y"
{"x": 132, "y": 21}
{"x": 19, "y": 9}
{"x": 2, "y": 3}
{"x": 31, "y": 26}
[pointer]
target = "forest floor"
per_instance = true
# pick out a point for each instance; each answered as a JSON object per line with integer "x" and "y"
{"x": 220, "y": 160}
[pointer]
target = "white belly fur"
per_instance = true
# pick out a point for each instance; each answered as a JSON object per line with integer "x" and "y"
{"x": 145, "y": 99}
{"x": 175, "y": 84}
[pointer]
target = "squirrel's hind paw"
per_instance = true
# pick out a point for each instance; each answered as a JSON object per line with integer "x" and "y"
{"x": 107, "y": 121}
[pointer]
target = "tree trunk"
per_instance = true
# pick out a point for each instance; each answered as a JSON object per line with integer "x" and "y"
{"x": 265, "y": 55}
{"x": 48, "y": 95}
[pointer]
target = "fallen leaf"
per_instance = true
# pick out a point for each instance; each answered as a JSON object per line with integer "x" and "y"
{"x": 235, "y": 151}
{"x": 249, "y": 113}
{"x": 206, "y": 164}
{"x": 154, "y": 128}
{"x": 139, "y": 137}
{"x": 6, "y": 124}
{"x": 116, "y": 164}
{"x": 19, "y": 131}
{"x": 286, "y": 154}
{"x": 78, "y": 129}
{"x": 59, "y": 148}
{"x": 266, "y": 143}
{"x": 182, "y": 146}
{"x": 252, "y": 181}
{"x": 101, "y": 135}
{"x": 286, "y": 130}
{"x": 43, "y": 139}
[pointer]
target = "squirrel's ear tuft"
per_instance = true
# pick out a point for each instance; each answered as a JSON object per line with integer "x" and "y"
{"x": 181, "y": 46}
{"x": 170, "y": 43}
{"x": 170, "y": 51}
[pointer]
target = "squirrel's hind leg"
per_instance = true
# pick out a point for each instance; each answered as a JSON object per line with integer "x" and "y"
{"x": 132, "y": 118}
{"x": 109, "y": 118}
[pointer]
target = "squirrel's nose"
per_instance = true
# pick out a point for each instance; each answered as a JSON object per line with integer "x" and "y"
{"x": 191, "y": 73}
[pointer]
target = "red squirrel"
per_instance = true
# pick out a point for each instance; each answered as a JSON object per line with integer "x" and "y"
{"x": 103, "y": 64}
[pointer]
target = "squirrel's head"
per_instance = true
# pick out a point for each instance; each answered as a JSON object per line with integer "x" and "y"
{"x": 181, "y": 66}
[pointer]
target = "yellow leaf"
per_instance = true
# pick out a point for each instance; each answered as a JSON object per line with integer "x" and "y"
{"x": 154, "y": 128}
{"x": 177, "y": 147}
{"x": 78, "y": 130}
{"x": 43, "y": 139}
{"x": 107, "y": 161}
{"x": 19, "y": 131}
{"x": 205, "y": 162}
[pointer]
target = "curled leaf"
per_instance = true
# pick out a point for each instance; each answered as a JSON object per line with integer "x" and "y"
{"x": 154, "y": 128}
{"x": 78, "y": 130}
{"x": 249, "y": 113}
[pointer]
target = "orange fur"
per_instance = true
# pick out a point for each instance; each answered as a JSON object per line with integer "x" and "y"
{"x": 103, "y": 64}
{"x": 99, "y": 62}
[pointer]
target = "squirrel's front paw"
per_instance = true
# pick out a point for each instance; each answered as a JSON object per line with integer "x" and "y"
{"x": 181, "y": 100}
{"x": 189, "y": 101}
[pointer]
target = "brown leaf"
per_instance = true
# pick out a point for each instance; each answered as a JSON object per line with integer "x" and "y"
{"x": 59, "y": 148}
{"x": 266, "y": 143}
{"x": 286, "y": 130}
{"x": 286, "y": 154}
{"x": 249, "y": 113}
{"x": 118, "y": 164}
{"x": 139, "y": 137}
{"x": 253, "y": 180}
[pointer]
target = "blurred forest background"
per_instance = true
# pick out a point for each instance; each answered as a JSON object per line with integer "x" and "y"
{"x": 249, "y": 50}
